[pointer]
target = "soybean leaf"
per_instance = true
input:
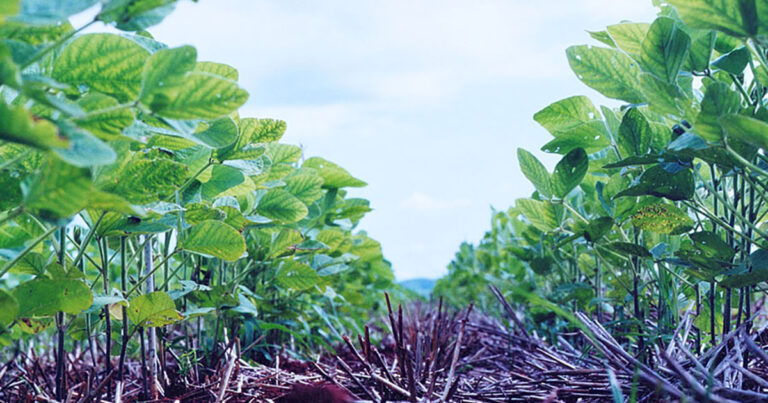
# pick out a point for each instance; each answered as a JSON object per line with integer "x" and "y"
{"x": 608, "y": 71}
{"x": 598, "y": 228}
{"x": 728, "y": 16}
{"x": 107, "y": 63}
{"x": 45, "y": 297}
{"x": 166, "y": 68}
{"x": 134, "y": 15}
{"x": 215, "y": 238}
{"x": 305, "y": 186}
{"x": 18, "y": 126}
{"x": 296, "y": 276}
{"x": 219, "y": 69}
{"x": 154, "y": 309}
{"x": 634, "y": 133}
{"x": 200, "y": 96}
{"x": 747, "y": 129}
{"x": 48, "y": 11}
{"x": 662, "y": 218}
{"x": 591, "y": 136}
{"x": 629, "y": 37}
{"x": 734, "y": 62}
{"x": 279, "y": 204}
{"x": 9, "y": 308}
{"x": 656, "y": 181}
{"x": 542, "y": 214}
{"x": 569, "y": 172}
{"x": 719, "y": 100}
{"x": 59, "y": 190}
{"x": 535, "y": 171}
{"x": 566, "y": 113}
{"x": 334, "y": 176}
{"x": 749, "y": 277}
{"x": 103, "y": 117}
{"x": 628, "y": 248}
{"x": 664, "y": 49}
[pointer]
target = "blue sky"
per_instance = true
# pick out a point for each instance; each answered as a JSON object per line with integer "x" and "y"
{"x": 427, "y": 101}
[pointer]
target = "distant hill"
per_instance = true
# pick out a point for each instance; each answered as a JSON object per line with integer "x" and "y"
{"x": 421, "y": 286}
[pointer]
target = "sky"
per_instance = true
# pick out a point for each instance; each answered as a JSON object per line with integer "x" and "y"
{"x": 425, "y": 100}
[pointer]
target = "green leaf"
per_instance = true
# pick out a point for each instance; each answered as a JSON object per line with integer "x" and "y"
{"x": 296, "y": 276}
{"x": 135, "y": 15}
{"x": 662, "y": 218}
{"x": 665, "y": 48}
{"x": 712, "y": 245}
{"x": 591, "y": 136}
{"x": 49, "y": 11}
{"x": 18, "y": 126}
{"x": 45, "y": 297}
{"x": 757, "y": 274}
{"x": 719, "y": 100}
{"x": 700, "y": 53}
{"x": 535, "y": 171}
{"x": 11, "y": 195}
{"x": 334, "y": 176}
{"x": 746, "y": 129}
{"x": 305, "y": 186}
{"x": 566, "y": 114}
{"x": 220, "y": 133}
{"x": 634, "y": 133}
{"x": 154, "y": 309}
{"x": 598, "y": 228}
{"x": 656, "y": 181}
{"x": 104, "y": 117}
{"x": 107, "y": 63}
{"x": 201, "y": 96}
{"x": 608, "y": 71}
{"x": 165, "y": 68}
{"x": 279, "y": 204}
{"x": 222, "y": 178}
{"x": 145, "y": 180}
{"x": 734, "y": 62}
{"x": 9, "y": 308}
{"x": 542, "y": 214}
{"x": 569, "y": 172}
{"x": 663, "y": 98}
{"x": 629, "y": 37}
{"x": 215, "y": 238}
{"x": 60, "y": 190}
{"x": 734, "y": 17}
{"x": 219, "y": 69}
{"x": 84, "y": 149}
{"x": 630, "y": 249}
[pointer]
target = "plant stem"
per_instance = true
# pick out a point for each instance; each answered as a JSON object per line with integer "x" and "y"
{"x": 123, "y": 286}
{"x": 102, "y": 242}
{"x": 60, "y": 357}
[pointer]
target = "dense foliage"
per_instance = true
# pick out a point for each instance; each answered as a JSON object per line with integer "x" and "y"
{"x": 133, "y": 196}
{"x": 657, "y": 208}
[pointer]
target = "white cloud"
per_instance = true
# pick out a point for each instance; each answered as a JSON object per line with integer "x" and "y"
{"x": 424, "y": 202}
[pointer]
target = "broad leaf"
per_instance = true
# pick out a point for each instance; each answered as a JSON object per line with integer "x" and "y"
{"x": 665, "y": 48}
{"x": 279, "y": 204}
{"x": 629, "y": 37}
{"x": 719, "y": 100}
{"x": 569, "y": 172}
{"x": 746, "y": 129}
{"x": 200, "y": 96}
{"x": 566, "y": 114}
{"x": 45, "y": 297}
{"x": 107, "y": 63}
{"x": 662, "y": 218}
{"x": 734, "y": 17}
{"x": 296, "y": 276}
{"x": 9, "y": 308}
{"x": 656, "y": 181}
{"x": 334, "y": 176}
{"x": 535, "y": 171}
{"x": 215, "y": 238}
{"x": 542, "y": 214}
{"x": 154, "y": 309}
{"x": 608, "y": 71}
